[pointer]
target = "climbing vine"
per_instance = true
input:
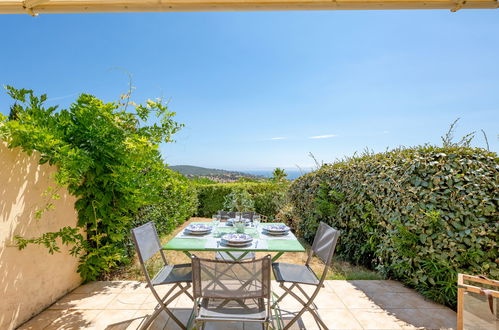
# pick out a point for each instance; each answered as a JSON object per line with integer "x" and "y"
{"x": 107, "y": 155}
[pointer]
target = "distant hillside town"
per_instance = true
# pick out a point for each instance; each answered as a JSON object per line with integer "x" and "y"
{"x": 213, "y": 174}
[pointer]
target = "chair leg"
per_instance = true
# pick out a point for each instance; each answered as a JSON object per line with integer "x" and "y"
{"x": 306, "y": 307}
{"x": 284, "y": 294}
{"x": 164, "y": 305}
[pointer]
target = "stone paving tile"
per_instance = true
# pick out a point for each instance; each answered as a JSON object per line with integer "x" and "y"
{"x": 325, "y": 299}
{"x": 141, "y": 316}
{"x": 182, "y": 314}
{"x": 339, "y": 319}
{"x": 306, "y": 321}
{"x": 357, "y": 299}
{"x": 441, "y": 318}
{"x": 342, "y": 305}
{"x": 41, "y": 320}
{"x": 376, "y": 319}
{"x": 63, "y": 319}
{"x": 128, "y": 300}
{"x": 104, "y": 286}
{"x": 403, "y": 300}
{"x": 84, "y": 301}
{"x": 114, "y": 319}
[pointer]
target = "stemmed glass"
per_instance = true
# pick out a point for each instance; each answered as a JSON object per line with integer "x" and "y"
{"x": 215, "y": 220}
{"x": 256, "y": 221}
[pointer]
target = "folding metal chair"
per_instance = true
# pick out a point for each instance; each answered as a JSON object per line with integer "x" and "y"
{"x": 249, "y": 215}
{"x": 231, "y": 291}
{"x": 147, "y": 244}
{"x": 224, "y": 215}
{"x": 323, "y": 247}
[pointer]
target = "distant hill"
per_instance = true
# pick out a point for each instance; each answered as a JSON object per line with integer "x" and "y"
{"x": 212, "y": 173}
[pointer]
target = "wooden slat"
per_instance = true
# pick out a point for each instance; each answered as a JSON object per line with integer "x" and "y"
{"x": 477, "y": 279}
{"x": 460, "y": 309}
{"x": 68, "y": 6}
{"x": 465, "y": 287}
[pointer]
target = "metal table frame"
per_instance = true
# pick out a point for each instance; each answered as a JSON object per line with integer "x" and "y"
{"x": 175, "y": 245}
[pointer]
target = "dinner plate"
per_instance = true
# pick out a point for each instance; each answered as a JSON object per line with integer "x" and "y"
{"x": 234, "y": 238}
{"x": 197, "y": 229}
{"x": 189, "y": 232}
{"x": 201, "y": 227}
{"x": 276, "y": 228}
{"x": 276, "y": 233}
{"x": 224, "y": 242}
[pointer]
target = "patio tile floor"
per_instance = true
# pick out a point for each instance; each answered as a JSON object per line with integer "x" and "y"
{"x": 352, "y": 305}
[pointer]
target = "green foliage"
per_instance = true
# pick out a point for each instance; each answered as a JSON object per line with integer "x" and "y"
{"x": 200, "y": 180}
{"x": 278, "y": 175}
{"x": 268, "y": 198}
{"x": 108, "y": 158}
{"x": 178, "y": 203}
{"x": 239, "y": 200}
{"x": 420, "y": 215}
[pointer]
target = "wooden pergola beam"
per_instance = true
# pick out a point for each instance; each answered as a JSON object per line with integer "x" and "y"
{"x": 120, "y": 6}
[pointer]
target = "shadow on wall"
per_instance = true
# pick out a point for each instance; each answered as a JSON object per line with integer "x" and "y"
{"x": 31, "y": 279}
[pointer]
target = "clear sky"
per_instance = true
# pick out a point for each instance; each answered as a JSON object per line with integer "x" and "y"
{"x": 263, "y": 89}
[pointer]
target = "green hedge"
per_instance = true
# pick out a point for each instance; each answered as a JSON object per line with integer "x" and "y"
{"x": 177, "y": 204}
{"x": 268, "y": 197}
{"x": 420, "y": 215}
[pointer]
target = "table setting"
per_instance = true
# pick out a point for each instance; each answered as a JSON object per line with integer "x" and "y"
{"x": 238, "y": 234}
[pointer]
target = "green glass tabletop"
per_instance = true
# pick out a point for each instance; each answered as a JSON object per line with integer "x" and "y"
{"x": 273, "y": 244}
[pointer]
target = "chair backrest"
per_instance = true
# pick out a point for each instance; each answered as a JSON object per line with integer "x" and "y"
{"x": 248, "y": 215}
{"x": 224, "y": 215}
{"x": 324, "y": 244}
{"x": 146, "y": 241}
{"x": 231, "y": 279}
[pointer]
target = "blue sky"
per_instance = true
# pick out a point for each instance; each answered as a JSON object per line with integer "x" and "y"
{"x": 263, "y": 89}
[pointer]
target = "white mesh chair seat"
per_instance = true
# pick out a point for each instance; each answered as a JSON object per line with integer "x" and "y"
{"x": 294, "y": 273}
{"x": 173, "y": 274}
{"x": 248, "y": 309}
{"x": 220, "y": 255}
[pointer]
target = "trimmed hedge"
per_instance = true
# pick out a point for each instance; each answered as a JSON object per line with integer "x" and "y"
{"x": 268, "y": 197}
{"x": 177, "y": 204}
{"x": 419, "y": 215}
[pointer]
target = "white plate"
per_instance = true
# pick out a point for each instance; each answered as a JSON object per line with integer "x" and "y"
{"x": 276, "y": 228}
{"x": 234, "y": 238}
{"x": 225, "y": 243}
{"x": 276, "y": 233}
{"x": 189, "y": 232}
{"x": 201, "y": 227}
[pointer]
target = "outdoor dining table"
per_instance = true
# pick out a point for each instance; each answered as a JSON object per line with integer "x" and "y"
{"x": 212, "y": 242}
{"x": 261, "y": 243}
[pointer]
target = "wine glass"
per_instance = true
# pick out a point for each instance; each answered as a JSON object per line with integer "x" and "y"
{"x": 256, "y": 220}
{"x": 215, "y": 220}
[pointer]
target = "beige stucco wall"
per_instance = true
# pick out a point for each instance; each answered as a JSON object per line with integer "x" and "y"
{"x": 30, "y": 279}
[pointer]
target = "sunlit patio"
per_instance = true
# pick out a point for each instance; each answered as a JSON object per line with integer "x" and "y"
{"x": 359, "y": 304}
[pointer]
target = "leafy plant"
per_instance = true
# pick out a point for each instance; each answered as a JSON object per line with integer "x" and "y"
{"x": 268, "y": 197}
{"x": 418, "y": 214}
{"x": 278, "y": 175}
{"x": 108, "y": 158}
{"x": 239, "y": 200}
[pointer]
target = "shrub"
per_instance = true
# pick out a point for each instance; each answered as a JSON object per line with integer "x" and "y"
{"x": 109, "y": 159}
{"x": 267, "y": 197}
{"x": 239, "y": 200}
{"x": 420, "y": 215}
{"x": 177, "y": 204}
